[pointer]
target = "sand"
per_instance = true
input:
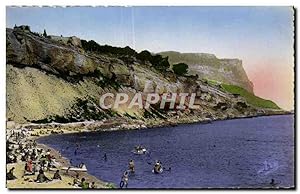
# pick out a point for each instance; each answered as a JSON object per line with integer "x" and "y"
{"x": 27, "y": 182}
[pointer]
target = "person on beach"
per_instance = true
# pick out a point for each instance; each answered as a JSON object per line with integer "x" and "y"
{"x": 11, "y": 158}
{"x": 93, "y": 186}
{"x": 39, "y": 151}
{"x": 105, "y": 157}
{"x": 36, "y": 167}
{"x": 33, "y": 155}
{"x": 48, "y": 155}
{"x": 28, "y": 167}
{"x": 34, "y": 144}
{"x": 56, "y": 175}
{"x": 43, "y": 161}
{"x": 84, "y": 184}
{"x": 10, "y": 175}
{"x": 24, "y": 155}
{"x": 18, "y": 136}
{"x": 131, "y": 166}
{"x": 41, "y": 177}
{"x": 76, "y": 181}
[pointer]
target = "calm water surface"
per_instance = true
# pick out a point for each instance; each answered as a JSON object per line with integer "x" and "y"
{"x": 232, "y": 153}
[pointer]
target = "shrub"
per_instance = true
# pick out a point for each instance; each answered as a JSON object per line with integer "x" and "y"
{"x": 144, "y": 55}
{"x": 95, "y": 47}
{"x": 180, "y": 68}
{"x": 45, "y": 34}
{"x": 158, "y": 62}
{"x": 27, "y": 28}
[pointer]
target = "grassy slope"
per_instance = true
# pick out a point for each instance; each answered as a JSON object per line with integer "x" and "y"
{"x": 250, "y": 98}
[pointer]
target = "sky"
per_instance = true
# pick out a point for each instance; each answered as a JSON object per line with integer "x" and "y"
{"x": 262, "y": 37}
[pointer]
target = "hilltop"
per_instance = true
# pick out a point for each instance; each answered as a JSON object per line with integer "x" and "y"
{"x": 208, "y": 66}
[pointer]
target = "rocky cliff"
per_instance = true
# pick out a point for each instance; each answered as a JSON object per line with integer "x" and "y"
{"x": 208, "y": 66}
{"x": 53, "y": 80}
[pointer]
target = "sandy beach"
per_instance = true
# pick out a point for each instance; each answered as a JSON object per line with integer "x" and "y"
{"x": 23, "y": 181}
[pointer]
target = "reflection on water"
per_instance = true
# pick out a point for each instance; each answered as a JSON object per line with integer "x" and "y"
{"x": 268, "y": 167}
{"x": 233, "y": 153}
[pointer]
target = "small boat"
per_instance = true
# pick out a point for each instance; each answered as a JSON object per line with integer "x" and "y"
{"x": 139, "y": 151}
{"x": 75, "y": 169}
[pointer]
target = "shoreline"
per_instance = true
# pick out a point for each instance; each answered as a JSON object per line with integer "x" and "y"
{"x": 43, "y": 130}
{"x": 27, "y": 181}
{"x": 66, "y": 163}
{"x": 123, "y": 124}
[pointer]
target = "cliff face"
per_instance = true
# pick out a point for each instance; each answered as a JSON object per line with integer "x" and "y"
{"x": 208, "y": 66}
{"x": 50, "y": 80}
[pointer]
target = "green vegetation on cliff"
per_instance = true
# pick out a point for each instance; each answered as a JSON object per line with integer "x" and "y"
{"x": 106, "y": 49}
{"x": 249, "y": 97}
{"x": 180, "y": 68}
{"x": 157, "y": 61}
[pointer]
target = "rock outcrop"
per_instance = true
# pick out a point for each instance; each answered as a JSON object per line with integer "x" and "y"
{"x": 208, "y": 66}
